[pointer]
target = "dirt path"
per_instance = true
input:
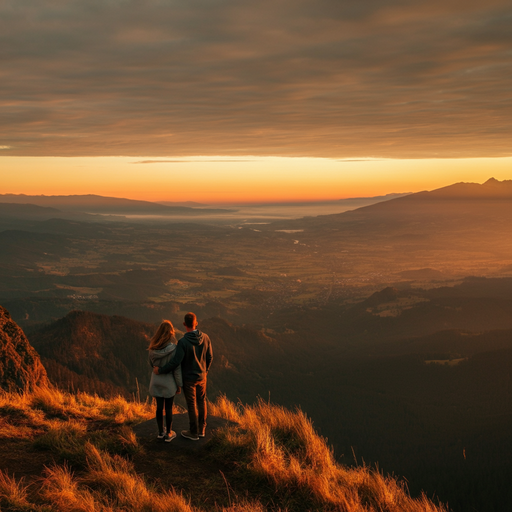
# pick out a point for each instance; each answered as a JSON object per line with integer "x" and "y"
{"x": 183, "y": 464}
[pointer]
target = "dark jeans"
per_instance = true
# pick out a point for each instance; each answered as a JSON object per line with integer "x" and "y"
{"x": 195, "y": 395}
{"x": 162, "y": 402}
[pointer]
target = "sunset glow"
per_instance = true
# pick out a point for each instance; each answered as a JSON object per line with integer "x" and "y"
{"x": 238, "y": 180}
{"x": 264, "y": 101}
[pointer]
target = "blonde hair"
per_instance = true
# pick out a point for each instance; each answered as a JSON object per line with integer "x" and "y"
{"x": 163, "y": 336}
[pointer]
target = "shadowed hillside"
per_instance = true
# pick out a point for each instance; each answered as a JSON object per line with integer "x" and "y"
{"x": 95, "y": 353}
{"x": 108, "y": 355}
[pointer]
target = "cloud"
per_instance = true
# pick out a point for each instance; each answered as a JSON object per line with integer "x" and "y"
{"x": 5, "y": 147}
{"x": 331, "y": 78}
{"x": 359, "y": 160}
{"x": 187, "y": 161}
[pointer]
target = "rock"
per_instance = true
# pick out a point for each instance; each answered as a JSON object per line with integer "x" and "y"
{"x": 20, "y": 366}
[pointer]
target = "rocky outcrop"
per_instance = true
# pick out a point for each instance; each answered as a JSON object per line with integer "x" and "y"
{"x": 20, "y": 366}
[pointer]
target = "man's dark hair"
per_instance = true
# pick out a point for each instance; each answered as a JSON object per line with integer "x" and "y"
{"x": 190, "y": 319}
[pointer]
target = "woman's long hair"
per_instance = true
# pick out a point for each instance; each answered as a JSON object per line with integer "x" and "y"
{"x": 163, "y": 336}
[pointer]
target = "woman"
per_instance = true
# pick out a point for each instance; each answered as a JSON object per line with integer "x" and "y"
{"x": 164, "y": 387}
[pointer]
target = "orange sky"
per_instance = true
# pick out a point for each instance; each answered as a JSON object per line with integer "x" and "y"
{"x": 264, "y": 101}
{"x": 229, "y": 179}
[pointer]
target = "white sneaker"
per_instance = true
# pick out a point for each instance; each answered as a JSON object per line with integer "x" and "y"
{"x": 169, "y": 437}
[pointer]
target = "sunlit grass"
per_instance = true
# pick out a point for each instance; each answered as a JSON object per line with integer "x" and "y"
{"x": 88, "y": 433}
{"x": 281, "y": 447}
{"x": 108, "y": 484}
{"x": 274, "y": 454}
{"x": 245, "y": 507}
{"x": 62, "y": 489}
{"x": 64, "y": 438}
{"x": 13, "y": 494}
{"x": 62, "y": 423}
{"x": 49, "y": 402}
{"x": 128, "y": 490}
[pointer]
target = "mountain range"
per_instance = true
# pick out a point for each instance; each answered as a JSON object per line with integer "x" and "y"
{"x": 478, "y": 202}
{"x": 95, "y": 204}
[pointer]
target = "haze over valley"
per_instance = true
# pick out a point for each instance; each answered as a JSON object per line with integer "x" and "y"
{"x": 390, "y": 325}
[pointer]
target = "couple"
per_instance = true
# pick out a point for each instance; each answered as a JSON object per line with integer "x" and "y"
{"x": 175, "y": 366}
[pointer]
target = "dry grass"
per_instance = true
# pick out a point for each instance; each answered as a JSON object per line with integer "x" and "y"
{"x": 9, "y": 430}
{"x": 82, "y": 430}
{"x": 109, "y": 484}
{"x": 245, "y": 507}
{"x": 275, "y": 455}
{"x": 63, "y": 491}
{"x": 17, "y": 416}
{"x": 67, "y": 440}
{"x": 282, "y": 447}
{"x": 13, "y": 495}
{"x": 63, "y": 423}
{"x": 36, "y": 407}
{"x": 128, "y": 490}
{"x": 64, "y": 438}
{"x": 83, "y": 406}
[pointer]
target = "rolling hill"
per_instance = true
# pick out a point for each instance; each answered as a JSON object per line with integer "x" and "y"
{"x": 107, "y": 355}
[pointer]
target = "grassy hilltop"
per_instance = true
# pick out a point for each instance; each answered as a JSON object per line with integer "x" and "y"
{"x": 265, "y": 458}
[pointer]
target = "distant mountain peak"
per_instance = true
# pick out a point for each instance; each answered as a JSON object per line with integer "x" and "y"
{"x": 493, "y": 182}
{"x": 489, "y": 190}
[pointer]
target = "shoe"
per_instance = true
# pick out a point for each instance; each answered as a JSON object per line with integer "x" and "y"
{"x": 188, "y": 435}
{"x": 202, "y": 434}
{"x": 170, "y": 436}
{"x": 161, "y": 435}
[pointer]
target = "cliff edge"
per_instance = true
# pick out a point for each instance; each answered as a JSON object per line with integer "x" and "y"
{"x": 20, "y": 366}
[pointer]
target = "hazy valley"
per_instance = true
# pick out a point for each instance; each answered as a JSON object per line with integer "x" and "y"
{"x": 390, "y": 325}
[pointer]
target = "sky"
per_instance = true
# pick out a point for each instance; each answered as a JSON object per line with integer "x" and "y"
{"x": 232, "y": 100}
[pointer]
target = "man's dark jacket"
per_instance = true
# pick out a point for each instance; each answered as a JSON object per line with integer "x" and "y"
{"x": 194, "y": 353}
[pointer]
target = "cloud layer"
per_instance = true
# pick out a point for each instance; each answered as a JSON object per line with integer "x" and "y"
{"x": 330, "y": 78}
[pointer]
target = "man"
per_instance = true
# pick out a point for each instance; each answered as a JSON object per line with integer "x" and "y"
{"x": 194, "y": 353}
